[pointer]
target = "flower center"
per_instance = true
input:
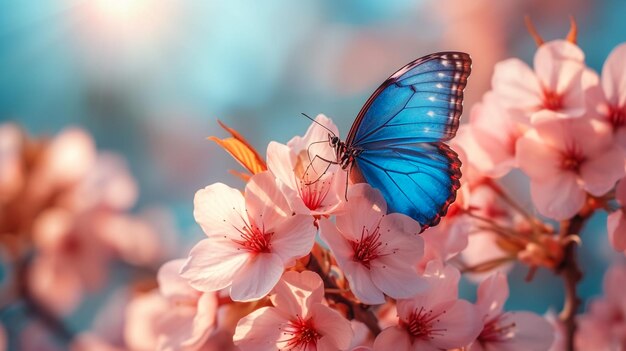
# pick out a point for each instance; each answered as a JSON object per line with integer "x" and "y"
{"x": 301, "y": 335}
{"x": 254, "y": 239}
{"x": 572, "y": 158}
{"x": 552, "y": 100}
{"x": 617, "y": 117}
{"x": 369, "y": 247}
{"x": 313, "y": 193}
{"x": 421, "y": 324}
{"x": 497, "y": 329}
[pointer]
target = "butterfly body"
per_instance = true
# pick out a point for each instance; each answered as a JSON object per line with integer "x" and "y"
{"x": 397, "y": 141}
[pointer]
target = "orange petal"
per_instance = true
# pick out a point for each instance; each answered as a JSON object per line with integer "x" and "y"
{"x": 242, "y": 151}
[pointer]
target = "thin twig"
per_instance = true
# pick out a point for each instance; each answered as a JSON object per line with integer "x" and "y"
{"x": 572, "y": 275}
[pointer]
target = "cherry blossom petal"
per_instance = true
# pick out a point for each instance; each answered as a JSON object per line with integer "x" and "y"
{"x": 462, "y": 324}
{"x": 363, "y": 202}
{"x": 265, "y": 203}
{"x": 558, "y": 198}
{"x": 614, "y": 76}
{"x": 187, "y": 327}
{"x": 559, "y": 65}
{"x": 602, "y": 172}
{"x": 257, "y": 278}
{"x": 492, "y": 294}
{"x": 332, "y": 325}
{"x": 142, "y": 317}
{"x": 393, "y": 338}
{"x": 218, "y": 209}
{"x": 616, "y": 227}
{"x": 295, "y": 293}
{"x": 335, "y": 240}
{"x": 293, "y": 237}
{"x": 362, "y": 284}
{"x": 260, "y": 330}
{"x": 531, "y": 332}
{"x": 516, "y": 85}
{"x": 281, "y": 162}
{"x": 537, "y": 159}
{"x": 212, "y": 264}
{"x": 172, "y": 285}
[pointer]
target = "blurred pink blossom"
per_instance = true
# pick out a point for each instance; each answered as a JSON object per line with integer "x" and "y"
{"x": 191, "y": 319}
{"x": 310, "y": 182}
{"x": 298, "y": 321}
{"x": 435, "y": 319}
{"x": 251, "y": 238}
{"x": 565, "y": 159}
{"x": 554, "y": 90}
{"x": 142, "y": 320}
{"x": 616, "y": 221}
{"x": 514, "y": 331}
{"x": 493, "y": 132}
{"x": 609, "y": 104}
{"x": 70, "y": 261}
{"x": 378, "y": 252}
{"x": 603, "y": 326}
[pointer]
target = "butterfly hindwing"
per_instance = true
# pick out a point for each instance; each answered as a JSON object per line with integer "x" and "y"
{"x": 417, "y": 180}
{"x": 400, "y": 135}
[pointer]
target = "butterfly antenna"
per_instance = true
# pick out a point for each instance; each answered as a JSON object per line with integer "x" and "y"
{"x": 318, "y": 123}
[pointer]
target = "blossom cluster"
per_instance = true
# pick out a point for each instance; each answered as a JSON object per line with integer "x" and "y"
{"x": 306, "y": 260}
{"x": 64, "y": 220}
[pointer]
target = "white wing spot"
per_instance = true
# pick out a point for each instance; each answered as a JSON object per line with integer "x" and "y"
{"x": 444, "y": 63}
{"x": 439, "y": 85}
{"x": 431, "y": 98}
{"x": 440, "y": 75}
{"x": 430, "y": 114}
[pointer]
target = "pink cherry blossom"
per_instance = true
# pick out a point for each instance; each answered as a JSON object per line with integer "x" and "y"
{"x": 298, "y": 320}
{"x": 493, "y": 132}
{"x": 191, "y": 318}
{"x": 603, "y": 325}
{"x": 433, "y": 320}
{"x": 515, "y": 331}
{"x": 251, "y": 238}
{"x": 554, "y": 90}
{"x": 70, "y": 260}
{"x": 616, "y": 221}
{"x": 311, "y": 183}
{"x": 378, "y": 252}
{"x": 565, "y": 159}
{"x": 609, "y": 102}
{"x": 142, "y": 319}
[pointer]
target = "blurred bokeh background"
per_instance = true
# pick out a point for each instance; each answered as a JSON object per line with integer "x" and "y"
{"x": 149, "y": 79}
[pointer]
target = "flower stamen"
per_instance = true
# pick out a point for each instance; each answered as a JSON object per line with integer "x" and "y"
{"x": 301, "y": 335}
{"x": 421, "y": 324}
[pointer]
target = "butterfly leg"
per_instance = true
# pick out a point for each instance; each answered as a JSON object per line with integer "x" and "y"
{"x": 308, "y": 152}
{"x": 328, "y": 164}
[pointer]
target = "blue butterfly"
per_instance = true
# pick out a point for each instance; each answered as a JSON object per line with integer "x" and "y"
{"x": 397, "y": 142}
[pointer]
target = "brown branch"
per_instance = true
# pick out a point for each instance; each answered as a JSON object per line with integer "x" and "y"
{"x": 572, "y": 275}
{"x": 356, "y": 310}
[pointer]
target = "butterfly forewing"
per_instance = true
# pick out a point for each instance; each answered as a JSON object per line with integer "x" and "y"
{"x": 422, "y": 102}
{"x": 400, "y": 135}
